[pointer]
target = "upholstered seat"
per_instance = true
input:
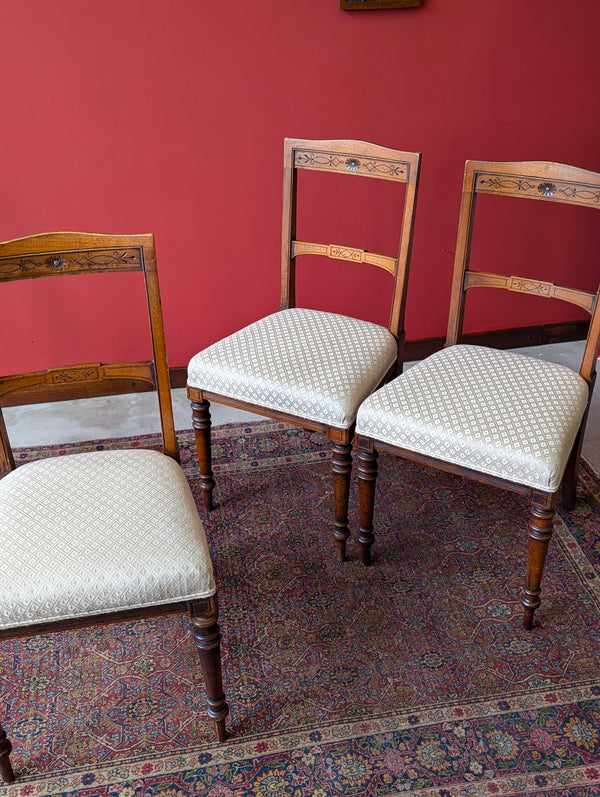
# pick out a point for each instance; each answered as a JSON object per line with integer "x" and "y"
{"x": 314, "y": 364}
{"x": 496, "y": 412}
{"x": 93, "y": 557}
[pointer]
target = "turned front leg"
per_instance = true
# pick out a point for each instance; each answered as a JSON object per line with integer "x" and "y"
{"x": 202, "y": 425}
{"x": 540, "y": 531}
{"x": 204, "y": 615}
{"x": 367, "y": 478}
{"x": 341, "y": 465}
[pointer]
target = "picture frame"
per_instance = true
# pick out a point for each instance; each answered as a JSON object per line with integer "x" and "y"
{"x": 365, "y": 5}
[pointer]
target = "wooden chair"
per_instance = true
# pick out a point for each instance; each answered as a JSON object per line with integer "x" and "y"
{"x": 308, "y": 367}
{"x": 498, "y": 417}
{"x": 94, "y": 537}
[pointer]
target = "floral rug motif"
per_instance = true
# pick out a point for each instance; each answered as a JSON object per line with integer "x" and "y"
{"x": 411, "y": 676}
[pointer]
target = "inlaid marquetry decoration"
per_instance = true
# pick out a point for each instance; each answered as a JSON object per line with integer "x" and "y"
{"x": 68, "y": 375}
{"x": 560, "y": 190}
{"x": 81, "y": 373}
{"x": 331, "y": 162}
{"x": 48, "y": 263}
{"x": 480, "y": 279}
{"x": 338, "y": 252}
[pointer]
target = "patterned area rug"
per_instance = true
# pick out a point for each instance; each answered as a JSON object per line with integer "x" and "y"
{"x": 412, "y": 675}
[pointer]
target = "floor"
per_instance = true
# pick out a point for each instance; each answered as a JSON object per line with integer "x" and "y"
{"x": 116, "y": 416}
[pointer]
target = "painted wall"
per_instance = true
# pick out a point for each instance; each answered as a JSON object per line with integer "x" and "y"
{"x": 169, "y": 116}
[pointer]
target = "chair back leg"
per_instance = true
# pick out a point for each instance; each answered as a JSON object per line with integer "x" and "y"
{"x": 367, "y": 478}
{"x": 201, "y": 424}
{"x": 569, "y": 480}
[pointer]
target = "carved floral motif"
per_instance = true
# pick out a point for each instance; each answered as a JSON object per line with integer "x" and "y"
{"x": 58, "y": 263}
{"x": 546, "y": 189}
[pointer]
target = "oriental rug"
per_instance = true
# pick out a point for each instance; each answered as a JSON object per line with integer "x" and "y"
{"x": 411, "y": 676}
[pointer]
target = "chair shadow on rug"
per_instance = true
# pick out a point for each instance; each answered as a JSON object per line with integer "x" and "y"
{"x": 97, "y": 536}
{"x": 498, "y": 417}
{"x": 309, "y": 367}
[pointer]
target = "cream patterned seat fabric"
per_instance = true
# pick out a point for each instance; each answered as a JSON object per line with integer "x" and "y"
{"x": 84, "y": 534}
{"x": 309, "y": 363}
{"x": 497, "y": 412}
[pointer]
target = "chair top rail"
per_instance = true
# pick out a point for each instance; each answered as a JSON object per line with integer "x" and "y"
{"x": 57, "y": 254}
{"x": 345, "y": 156}
{"x": 553, "y": 182}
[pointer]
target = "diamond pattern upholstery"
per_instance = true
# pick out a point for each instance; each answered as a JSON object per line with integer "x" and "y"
{"x": 497, "y": 412}
{"x": 85, "y": 534}
{"x": 308, "y": 363}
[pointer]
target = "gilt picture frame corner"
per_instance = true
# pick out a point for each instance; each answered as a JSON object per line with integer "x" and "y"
{"x": 362, "y": 5}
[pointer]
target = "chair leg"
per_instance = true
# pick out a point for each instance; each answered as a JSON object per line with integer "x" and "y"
{"x": 367, "y": 477}
{"x": 6, "y": 770}
{"x": 569, "y": 480}
{"x": 201, "y": 424}
{"x": 204, "y": 614}
{"x": 541, "y": 516}
{"x": 341, "y": 465}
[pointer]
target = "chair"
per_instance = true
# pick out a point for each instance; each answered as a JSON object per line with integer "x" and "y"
{"x": 497, "y": 417}
{"x": 309, "y": 367}
{"x": 93, "y": 537}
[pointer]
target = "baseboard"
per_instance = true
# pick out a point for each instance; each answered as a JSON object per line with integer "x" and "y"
{"x": 516, "y": 338}
{"x": 414, "y": 350}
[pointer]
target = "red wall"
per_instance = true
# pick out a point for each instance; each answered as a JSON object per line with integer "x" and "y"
{"x": 169, "y": 116}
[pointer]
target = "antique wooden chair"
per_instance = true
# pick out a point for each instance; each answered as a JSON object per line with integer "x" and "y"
{"x": 498, "y": 417}
{"x": 93, "y": 537}
{"x": 309, "y": 367}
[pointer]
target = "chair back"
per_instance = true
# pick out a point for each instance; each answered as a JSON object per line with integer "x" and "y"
{"x": 356, "y": 159}
{"x": 546, "y": 182}
{"x": 62, "y": 254}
